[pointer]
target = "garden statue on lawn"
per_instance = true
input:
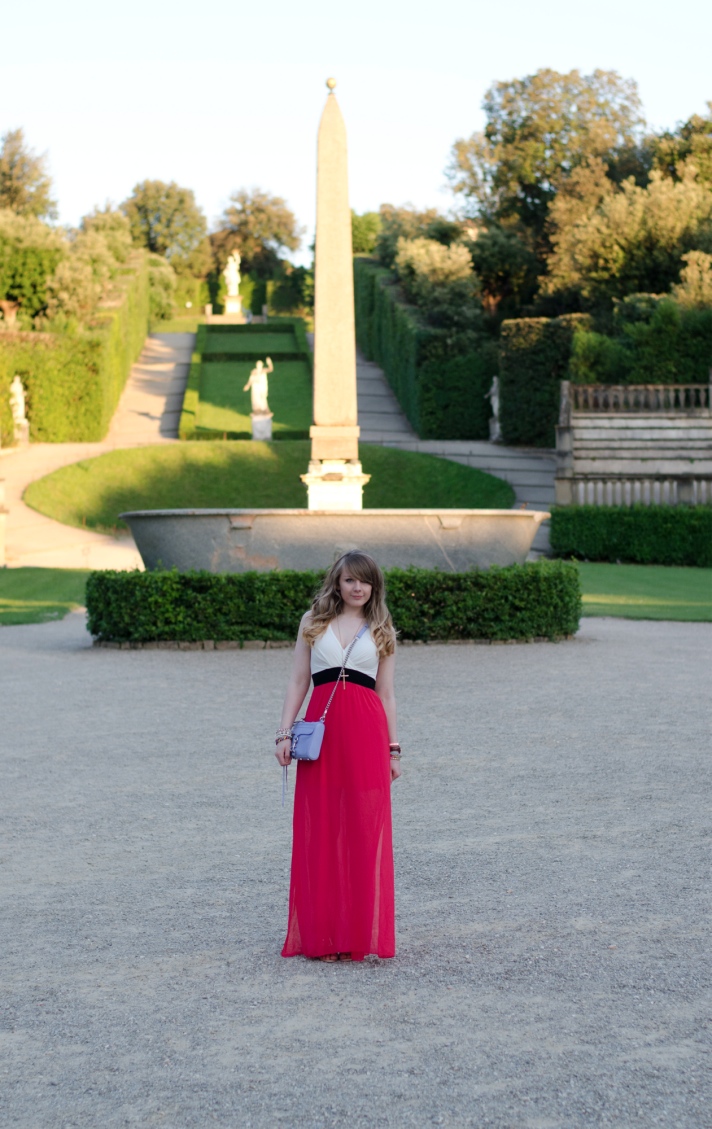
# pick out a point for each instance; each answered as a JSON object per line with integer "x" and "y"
{"x": 258, "y": 385}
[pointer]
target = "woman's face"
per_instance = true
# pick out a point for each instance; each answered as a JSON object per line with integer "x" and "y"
{"x": 354, "y": 593}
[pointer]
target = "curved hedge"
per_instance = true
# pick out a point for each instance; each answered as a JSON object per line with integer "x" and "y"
{"x": 537, "y": 600}
{"x": 663, "y": 535}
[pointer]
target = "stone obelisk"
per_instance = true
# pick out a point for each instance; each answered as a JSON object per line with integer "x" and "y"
{"x": 335, "y": 479}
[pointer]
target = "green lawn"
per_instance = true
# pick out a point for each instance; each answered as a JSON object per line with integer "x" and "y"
{"x": 242, "y": 473}
{"x": 647, "y": 591}
{"x": 36, "y": 595}
{"x": 223, "y": 406}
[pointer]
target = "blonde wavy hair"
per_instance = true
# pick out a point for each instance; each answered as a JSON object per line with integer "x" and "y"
{"x": 327, "y": 603}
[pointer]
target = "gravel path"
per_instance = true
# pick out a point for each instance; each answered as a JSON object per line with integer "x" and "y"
{"x": 551, "y": 874}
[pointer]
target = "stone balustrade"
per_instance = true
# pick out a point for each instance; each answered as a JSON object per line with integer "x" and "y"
{"x": 639, "y": 443}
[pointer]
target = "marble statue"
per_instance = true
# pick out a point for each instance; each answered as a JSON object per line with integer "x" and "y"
{"x": 259, "y": 387}
{"x": 493, "y": 397}
{"x": 17, "y": 402}
{"x": 232, "y": 275}
{"x": 18, "y": 407}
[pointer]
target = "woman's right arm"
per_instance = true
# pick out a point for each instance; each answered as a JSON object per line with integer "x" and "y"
{"x": 297, "y": 688}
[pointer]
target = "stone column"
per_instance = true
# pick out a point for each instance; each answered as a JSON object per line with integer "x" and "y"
{"x": 335, "y": 479}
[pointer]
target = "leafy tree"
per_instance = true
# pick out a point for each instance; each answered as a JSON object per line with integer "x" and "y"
{"x": 408, "y": 223}
{"x": 166, "y": 220}
{"x": 539, "y": 129}
{"x": 261, "y": 227}
{"x": 162, "y": 288}
{"x": 115, "y": 228}
{"x": 29, "y": 254}
{"x": 82, "y": 278}
{"x": 440, "y": 280}
{"x": 25, "y": 185}
{"x": 364, "y": 232}
{"x": 694, "y": 290}
{"x": 690, "y": 142}
{"x": 632, "y": 240}
{"x": 507, "y": 269}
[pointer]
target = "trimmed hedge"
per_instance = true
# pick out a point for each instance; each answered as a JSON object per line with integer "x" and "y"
{"x": 541, "y": 599}
{"x": 439, "y": 379}
{"x": 533, "y": 358}
{"x": 662, "y": 535}
{"x": 74, "y": 381}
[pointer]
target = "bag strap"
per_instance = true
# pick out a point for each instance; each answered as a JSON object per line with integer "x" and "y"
{"x": 351, "y": 646}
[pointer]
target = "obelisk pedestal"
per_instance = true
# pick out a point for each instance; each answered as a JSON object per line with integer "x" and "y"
{"x": 335, "y": 479}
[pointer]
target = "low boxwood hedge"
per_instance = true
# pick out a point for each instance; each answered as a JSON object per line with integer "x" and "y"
{"x": 663, "y": 535}
{"x": 541, "y": 599}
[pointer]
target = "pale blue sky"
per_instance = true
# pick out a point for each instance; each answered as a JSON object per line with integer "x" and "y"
{"x": 229, "y": 95}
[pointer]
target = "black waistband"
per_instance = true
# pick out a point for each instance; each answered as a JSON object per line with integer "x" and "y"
{"x": 334, "y": 673}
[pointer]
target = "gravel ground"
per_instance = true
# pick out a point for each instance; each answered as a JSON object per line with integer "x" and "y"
{"x": 551, "y": 875}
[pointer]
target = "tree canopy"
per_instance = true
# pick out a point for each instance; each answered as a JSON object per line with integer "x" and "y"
{"x": 538, "y": 130}
{"x": 261, "y": 227}
{"x": 364, "y": 232}
{"x": 29, "y": 254}
{"x": 631, "y": 240}
{"x": 166, "y": 219}
{"x": 690, "y": 142}
{"x": 25, "y": 185}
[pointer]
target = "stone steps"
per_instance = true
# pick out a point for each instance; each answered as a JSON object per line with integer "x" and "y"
{"x": 529, "y": 472}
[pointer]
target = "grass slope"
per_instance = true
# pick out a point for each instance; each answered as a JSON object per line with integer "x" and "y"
{"x": 223, "y": 406}
{"x": 36, "y": 595}
{"x": 239, "y": 474}
{"x": 647, "y": 591}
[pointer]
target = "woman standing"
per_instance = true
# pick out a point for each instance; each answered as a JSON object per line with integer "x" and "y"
{"x": 341, "y": 899}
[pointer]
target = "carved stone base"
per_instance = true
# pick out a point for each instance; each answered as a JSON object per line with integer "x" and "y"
{"x": 262, "y": 425}
{"x": 233, "y": 304}
{"x": 335, "y": 484}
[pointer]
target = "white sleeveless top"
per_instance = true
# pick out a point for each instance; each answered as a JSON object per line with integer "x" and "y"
{"x": 327, "y": 652}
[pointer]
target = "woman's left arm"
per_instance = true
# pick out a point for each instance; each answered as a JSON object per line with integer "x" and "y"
{"x": 386, "y": 691}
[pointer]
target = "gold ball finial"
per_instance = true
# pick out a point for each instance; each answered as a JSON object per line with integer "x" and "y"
{"x": 331, "y": 83}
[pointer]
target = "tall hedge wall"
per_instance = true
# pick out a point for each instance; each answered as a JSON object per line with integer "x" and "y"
{"x": 440, "y": 384}
{"x": 663, "y": 535}
{"x": 74, "y": 380}
{"x": 533, "y": 358}
{"x": 541, "y": 599}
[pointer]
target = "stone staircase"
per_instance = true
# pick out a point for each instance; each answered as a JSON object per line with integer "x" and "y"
{"x": 530, "y": 472}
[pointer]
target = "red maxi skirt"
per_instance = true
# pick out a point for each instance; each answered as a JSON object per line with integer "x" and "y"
{"x": 341, "y": 896}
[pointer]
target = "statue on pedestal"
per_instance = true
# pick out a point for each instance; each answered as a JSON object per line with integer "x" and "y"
{"x": 259, "y": 386}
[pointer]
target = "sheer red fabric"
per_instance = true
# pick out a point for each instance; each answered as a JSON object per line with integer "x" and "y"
{"x": 341, "y": 897}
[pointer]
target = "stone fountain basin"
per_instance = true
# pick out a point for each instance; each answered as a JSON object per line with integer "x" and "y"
{"x": 242, "y": 540}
